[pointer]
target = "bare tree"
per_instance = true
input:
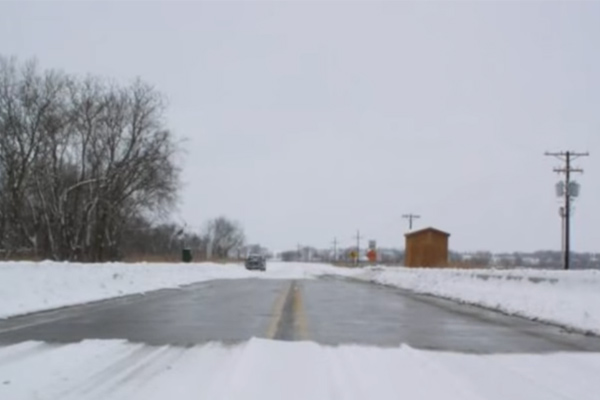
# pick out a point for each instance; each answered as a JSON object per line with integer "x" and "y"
{"x": 30, "y": 108}
{"x": 80, "y": 161}
{"x": 224, "y": 236}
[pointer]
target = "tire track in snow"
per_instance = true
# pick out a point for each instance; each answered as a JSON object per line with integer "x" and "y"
{"x": 126, "y": 381}
{"x": 22, "y": 351}
{"x": 105, "y": 369}
{"x": 274, "y": 370}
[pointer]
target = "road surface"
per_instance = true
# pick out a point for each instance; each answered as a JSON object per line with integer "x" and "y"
{"x": 328, "y": 311}
{"x": 162, "y": 346}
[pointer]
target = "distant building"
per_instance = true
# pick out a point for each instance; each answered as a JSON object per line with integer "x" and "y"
{"x": 426, "y": 248}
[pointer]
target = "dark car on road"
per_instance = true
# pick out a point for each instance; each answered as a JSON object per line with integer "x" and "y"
{"x": 256, "y": 262}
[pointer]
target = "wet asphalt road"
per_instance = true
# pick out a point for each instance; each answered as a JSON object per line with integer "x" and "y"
{"x": 329, "y": 311}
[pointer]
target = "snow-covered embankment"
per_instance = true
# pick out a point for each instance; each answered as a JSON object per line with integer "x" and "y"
{"x": 566, "y": 298}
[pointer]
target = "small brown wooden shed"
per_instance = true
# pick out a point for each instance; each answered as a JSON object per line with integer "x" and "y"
{"x": 426, "y": 248}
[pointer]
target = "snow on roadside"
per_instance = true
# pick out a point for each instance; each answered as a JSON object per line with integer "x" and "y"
{"x": 270, "y": 370}
{"x": 566, "y": 298}
{"x": 28, "y": 287}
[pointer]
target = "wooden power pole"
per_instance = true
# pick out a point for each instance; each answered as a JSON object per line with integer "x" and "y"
{"x": 410, "y": 218}
{"x": 567, "y": 157}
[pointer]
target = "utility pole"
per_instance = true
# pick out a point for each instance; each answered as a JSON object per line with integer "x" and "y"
{"x": 410, "y": 218}
{"x": 561, "y": 211}
{"x": 335, "y": 243}
{"x": 358, "y": 237}
{"x": 567, "y": 157}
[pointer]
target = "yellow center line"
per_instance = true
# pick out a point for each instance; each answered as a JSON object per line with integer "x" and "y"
{"x": 300, "y": 321}
{"x": 277, "y": 313}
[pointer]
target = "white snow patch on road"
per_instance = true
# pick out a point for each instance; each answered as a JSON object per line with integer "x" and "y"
{"x": 269, "y": 370}
{"x": 27, "y": 287}
{"x": 567, "y": 298}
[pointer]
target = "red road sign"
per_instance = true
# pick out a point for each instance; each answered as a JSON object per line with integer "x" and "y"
{"x": 372, "y": 255}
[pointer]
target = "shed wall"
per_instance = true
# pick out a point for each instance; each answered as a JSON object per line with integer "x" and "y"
{"x": 426, "y": 249}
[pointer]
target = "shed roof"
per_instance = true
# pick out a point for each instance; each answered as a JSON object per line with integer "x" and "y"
{"x": 430, "y": 229}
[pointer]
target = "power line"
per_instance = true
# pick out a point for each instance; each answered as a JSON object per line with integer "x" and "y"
{"x": 567, "y": 157}
{"x": 410, "y": 218}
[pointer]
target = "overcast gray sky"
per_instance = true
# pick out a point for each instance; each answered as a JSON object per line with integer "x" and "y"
{"x": 306, "y": 121}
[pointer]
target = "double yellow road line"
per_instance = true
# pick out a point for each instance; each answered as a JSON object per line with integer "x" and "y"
{"x": 289, "y": 300}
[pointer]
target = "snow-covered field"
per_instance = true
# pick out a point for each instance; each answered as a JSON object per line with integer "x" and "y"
{"x": 27, "y": 287}
{"x": 567, "y": 298}
{"x": 269, "y": 370}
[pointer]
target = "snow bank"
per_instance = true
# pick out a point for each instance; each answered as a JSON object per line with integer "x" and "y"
{"x": 27, "y": 287}
{"x": 567, "y": 298}
{"x": 269, "y": 370}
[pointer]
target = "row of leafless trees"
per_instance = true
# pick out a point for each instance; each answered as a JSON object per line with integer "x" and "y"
{"x": 82, "y": 162}
{"x": 220, "y": 238}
